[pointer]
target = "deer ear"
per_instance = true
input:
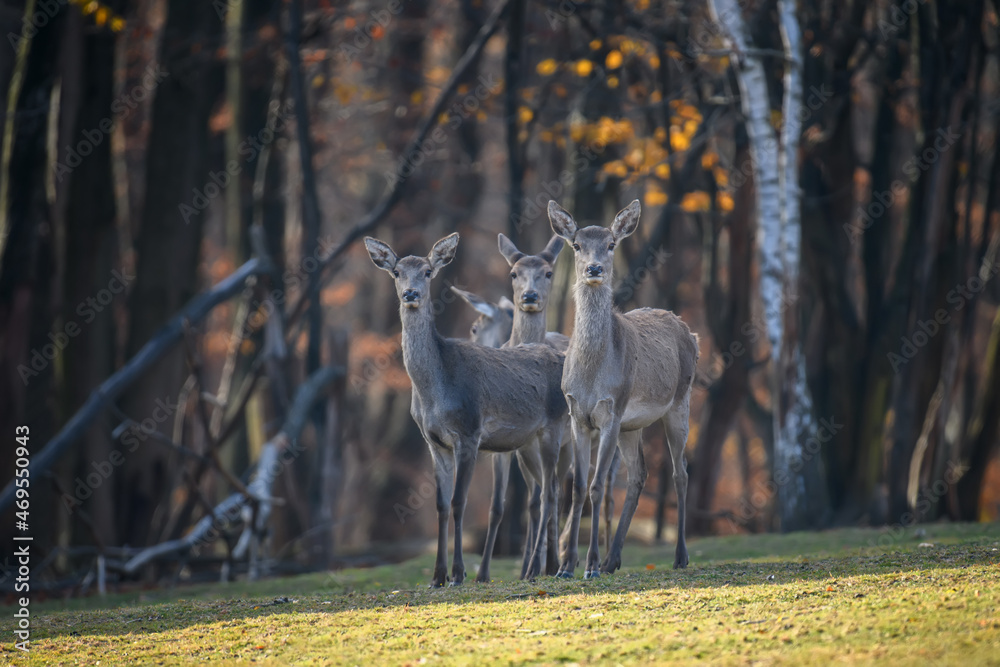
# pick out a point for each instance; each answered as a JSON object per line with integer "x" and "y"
{"x": 552, "y": 249}
{"x": 509, "y": 250}
{"x": 381, "y": 254}
{"x": 507, "y": 304}
{"x": 477, "y": 302}
{"x": 561, "y": 221}
{"x": 443, "y": 252}
{"x": 626, "y": 221}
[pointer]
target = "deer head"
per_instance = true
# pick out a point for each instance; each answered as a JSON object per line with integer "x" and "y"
{"x": 531, "y": 274}
{"x": 412, "y": 274}
{"x": 492, "y": 327}
{"x": 594, "y": 247}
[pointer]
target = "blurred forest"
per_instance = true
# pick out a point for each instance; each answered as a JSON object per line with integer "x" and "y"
{"x": 183, "y": 184}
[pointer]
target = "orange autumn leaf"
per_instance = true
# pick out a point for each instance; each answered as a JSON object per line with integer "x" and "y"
{"x": 725, "y": 202}
{"x": 613, "y": 60}
{"x": 655, "y": 197}
{"x": 584, "y": 67}
{"x": 547, "y": 67}
{"x": 694, "y": 202}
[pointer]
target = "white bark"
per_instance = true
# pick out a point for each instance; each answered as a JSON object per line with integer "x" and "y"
{"x": 779, "y": 235}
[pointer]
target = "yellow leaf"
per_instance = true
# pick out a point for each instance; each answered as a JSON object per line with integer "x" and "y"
{"x": 547, "y": 67}
{"x": 776, "y": 119}
{"x": 678, "y": 140}
{"x": 595, "y": 44}
{"x": 117, "y": 23}
{"x": 101, "y": 17}
{"x": 524, "y": 114}
{"x": 725, "y": 202}
{"x": 612, "y": 82}
{"x": 584, "y": 67}
{"x": 662, "y": 171}
{"x": 721, "y": 177}
{"x": 634, "y": 158}
{"x": 614, "y": 59}
{"x": 654, "y": 61}
{"x": 90, "y": 8}
{"x": 694, "y": 202}
{"x": 655, "y": 198}
{"x": 709, "y": 159}
{"x": 615, "y": 168}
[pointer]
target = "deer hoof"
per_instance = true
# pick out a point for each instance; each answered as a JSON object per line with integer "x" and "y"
{"x": 483, "y": 578}
{"x": 591, "y": 574}
{"x": 564, "y": 575}
{"x": 452, "y": 584}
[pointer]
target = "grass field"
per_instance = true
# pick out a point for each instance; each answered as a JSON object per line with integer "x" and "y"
{"x": 928, "y": 597}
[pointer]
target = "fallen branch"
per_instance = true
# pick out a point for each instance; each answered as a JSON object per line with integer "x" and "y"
{"x": 195, "y": 310}
{"x": 269, "y": 466}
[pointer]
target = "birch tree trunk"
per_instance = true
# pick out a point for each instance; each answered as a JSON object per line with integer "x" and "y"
{"x": 798, "y": 476}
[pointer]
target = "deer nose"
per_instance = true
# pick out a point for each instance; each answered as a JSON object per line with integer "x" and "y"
{"x": 595, "y": 270}
{"x": 530, "y": 297}
{"x": 410, "y": 295}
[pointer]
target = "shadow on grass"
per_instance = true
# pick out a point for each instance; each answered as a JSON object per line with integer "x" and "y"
{"x": 803, "y": 576}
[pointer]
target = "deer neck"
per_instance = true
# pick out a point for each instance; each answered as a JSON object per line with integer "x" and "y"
{"x": 528, "y": 327}
{"x": 592, "y": 322}
{"x": 421, "y": 348}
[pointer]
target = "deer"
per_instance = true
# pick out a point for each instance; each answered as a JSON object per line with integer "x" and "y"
{"x": 623, "y": 372}
{"x": 493, "y": 326}
{"x": 467, "y": 398}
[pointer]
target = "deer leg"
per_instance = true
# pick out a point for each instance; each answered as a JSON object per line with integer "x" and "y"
{"x": 605, "y": 453}
{"x": 676, "y": 425}
{"x": 444, "y": 472}
{"x": 531, "y": 467}
{"x": 609, "y": 499}
{"x": 501, "y": 474}
{"x": 630, "y": 446}
{"x": 581, "y": 470}
{"x": 548, "y": 455}
{"x": 465, "y": 463}
{"x": 534, "y": 511}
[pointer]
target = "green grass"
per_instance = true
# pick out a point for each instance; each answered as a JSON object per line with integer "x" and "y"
{"x": 805, "y": 598}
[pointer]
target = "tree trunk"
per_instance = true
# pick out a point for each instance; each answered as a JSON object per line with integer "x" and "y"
{"x": 169, "y": 241}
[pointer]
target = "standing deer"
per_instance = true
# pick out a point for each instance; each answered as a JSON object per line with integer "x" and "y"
{"x": 623, "y": 371}
{"x": 467, "y": 397}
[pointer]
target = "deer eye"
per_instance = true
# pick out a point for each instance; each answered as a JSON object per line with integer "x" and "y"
{"x": 611, "y": 246}
{"x": 513, "y": 275}
{"x": 548, "y": 274}
{"x": 427, "y": 273}
{"x": 475, "y": 329}
{"x": 395, "y": 273}
{"x": 576, "y": 246}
